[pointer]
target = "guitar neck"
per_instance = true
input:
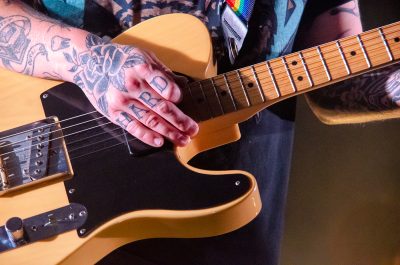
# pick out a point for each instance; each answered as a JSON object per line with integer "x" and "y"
{"x": 293, "y": 74}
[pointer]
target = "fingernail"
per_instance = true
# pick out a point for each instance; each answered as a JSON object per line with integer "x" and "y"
{"x": 158, "y": 141}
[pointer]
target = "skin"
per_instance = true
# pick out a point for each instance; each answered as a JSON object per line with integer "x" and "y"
{"x": 129, "y": 86}
{"x": 376, "y": 91}
{"x": 133, "y": 89}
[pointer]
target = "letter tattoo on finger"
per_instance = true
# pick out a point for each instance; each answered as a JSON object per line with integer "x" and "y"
{"x": 138, "y": 112}
{"x": 123, "y": 120}
{"x": 146, "y": 97}
{"x": 160, "y": 83}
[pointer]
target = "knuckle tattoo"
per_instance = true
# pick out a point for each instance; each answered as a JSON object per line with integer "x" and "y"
{"x": 160, "y": 83}
{"x": 123, "y": 120}
{"x": 138, "y": 112}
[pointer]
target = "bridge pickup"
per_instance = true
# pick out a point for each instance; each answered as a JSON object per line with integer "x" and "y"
{"x": 31, "y": 154}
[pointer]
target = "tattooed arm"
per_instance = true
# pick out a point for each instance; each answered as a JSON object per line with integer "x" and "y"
{"x": 127, "y": 85}
{"x": 366, "y": 98}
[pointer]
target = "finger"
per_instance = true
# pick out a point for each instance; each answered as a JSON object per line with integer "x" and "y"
{"x": 156, "y": 123}
{"x": 168, "y": 111}
{"x": 135, "y": 128}
{"x": 181, "y": 80}
{"x": 158, "y": 80}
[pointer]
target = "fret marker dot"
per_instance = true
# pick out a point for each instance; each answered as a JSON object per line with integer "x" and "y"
{"x": 397, "y": 39}
{"x": 353, "y": 53}
{"x": 223, "y": 93}
{"x": 300, "y": 78}
{"x": 250, "y": 85}
{"x": 294, "y": 63}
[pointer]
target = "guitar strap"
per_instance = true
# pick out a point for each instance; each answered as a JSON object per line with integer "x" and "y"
{"x": 235, "y": 19}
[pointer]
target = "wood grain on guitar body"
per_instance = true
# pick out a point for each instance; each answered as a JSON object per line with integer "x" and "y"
{"x": 78, "y": 211}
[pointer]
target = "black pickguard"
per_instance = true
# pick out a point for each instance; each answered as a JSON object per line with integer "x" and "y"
{"x": 116, "y": 174}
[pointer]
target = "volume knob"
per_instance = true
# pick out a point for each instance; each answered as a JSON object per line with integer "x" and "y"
{"x": 15, "y": 228}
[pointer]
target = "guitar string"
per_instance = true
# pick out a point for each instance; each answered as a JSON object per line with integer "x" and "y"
{"x": 299, "y": 66}
{"x": 17, "y": 150}
{"x": 68, "y": 145}
{"x": 51, "y": 166}
{"x": 293, "y": 70}
{"x": 48, "y": 133}
{"x": 198, "y": 81}
{"x": 44, "y": 126}
{"x": 72, "y": 158}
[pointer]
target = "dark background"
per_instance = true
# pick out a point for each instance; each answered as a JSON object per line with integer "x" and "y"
{"x": 344, "y": 192}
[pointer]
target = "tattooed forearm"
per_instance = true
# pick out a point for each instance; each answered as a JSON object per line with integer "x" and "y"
{"x": 350, "y": 10}
{"x": 16, "y": 52}
{"x": 59, "y": 43}
{"x": 378, "y": 91}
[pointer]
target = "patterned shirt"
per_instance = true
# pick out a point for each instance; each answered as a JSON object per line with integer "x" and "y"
{"x": 272, "y": 27}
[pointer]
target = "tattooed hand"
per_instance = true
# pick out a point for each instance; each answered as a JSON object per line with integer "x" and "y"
{"x": 132, "y": 88}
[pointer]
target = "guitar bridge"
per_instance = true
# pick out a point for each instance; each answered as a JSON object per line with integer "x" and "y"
{"x": 32, "y": 154}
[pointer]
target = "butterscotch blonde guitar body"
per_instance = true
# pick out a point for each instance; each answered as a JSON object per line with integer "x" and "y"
{"x": 182, "y": 43}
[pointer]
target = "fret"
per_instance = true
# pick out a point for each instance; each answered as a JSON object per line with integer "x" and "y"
{"x": 206, "y": 100}
{"x": 289, "y": 74}
{"x": 306, "y": 69}
{"x": 258, "y": 83}
{"x": 354, "y": 55}
{"x": 230, "y": 92}
{"x": 265, "y": 81}
{"x": 392, "y": 36}
{"x": 282, "y": 79}
{"x": 251, "y": 86}
{"x": 363, "y": 51}
{"x": 315, "y": 66}
{"x": 278, "y": 93}
{"x": 238, "y": 93}
{"x": 389, "y": 52}
{"x": 188, "y": 104}
{"x": 212, "y": 97}
{"x": 217, "y": 95}
{"x": 328, "y": 74}
{"x": 243, "y": 88}
{"x": 223, "y": 94}
{"x": 297, "y": 72}
{"x": 201, "y": 105}
{"x": 343, "y": 58}
{"x": 374, "y": 47}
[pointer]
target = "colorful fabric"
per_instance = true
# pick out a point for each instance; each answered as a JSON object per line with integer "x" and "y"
{"x": 70, "y": 11}
{"x": 242, "y": 8}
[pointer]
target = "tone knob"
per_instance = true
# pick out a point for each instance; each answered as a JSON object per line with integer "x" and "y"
{"x": 15, "y": 228}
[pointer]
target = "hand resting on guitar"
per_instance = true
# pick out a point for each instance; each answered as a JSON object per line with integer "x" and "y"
{"x": 129, "y": 86}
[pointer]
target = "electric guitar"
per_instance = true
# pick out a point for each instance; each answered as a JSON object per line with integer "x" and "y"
{"x": 60, "y": 205}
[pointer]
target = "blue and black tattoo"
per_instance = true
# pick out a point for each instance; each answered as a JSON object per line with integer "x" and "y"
{"x": 100, "y": 66}
{"x": 15, "y": 50}
{"x": 59, "y": 43}
{"x": 376, "y": 91}
{"x": 123, "y": 120}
